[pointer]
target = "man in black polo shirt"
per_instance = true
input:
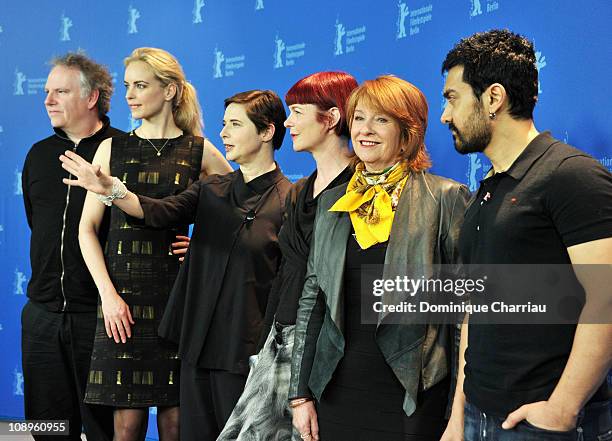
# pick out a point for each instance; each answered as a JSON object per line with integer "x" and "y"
{"x": 59, "y": 320}
{"x": 543, "y": 202}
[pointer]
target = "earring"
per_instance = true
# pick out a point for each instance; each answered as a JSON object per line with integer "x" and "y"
{"x": 492, "y": 115}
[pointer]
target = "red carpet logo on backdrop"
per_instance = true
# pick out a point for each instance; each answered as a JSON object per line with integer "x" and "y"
{"x": 292, "y": 52}
{"x": 17, "y": 381}
{"x": 66, "y": 24}
{"x": 219, "y": 59}
{"x": 475, "y": 172}
{"x": 134, "y": 14}
{"x": 20, "y": 78}
{"x": 444, "y": 100}
{"x": 350, "y": 38}
{"x": 17, "y": 189}
{"x": 19, "y": 282}
{"x": 476, "y": 7}
{"x": 540, "y": 64}
{"x": 226, "y": 67}
{"x": 32, "y": 85}
{"x": 401, "y": 19}
{"x": 197, "y": 11}
{"x": 417, "y": 18}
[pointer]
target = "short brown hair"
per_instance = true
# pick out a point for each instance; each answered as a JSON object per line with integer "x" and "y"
{"x": 94, "y": 76}
{"x": 406, "y": 104}
{"x": 263, "y": 107}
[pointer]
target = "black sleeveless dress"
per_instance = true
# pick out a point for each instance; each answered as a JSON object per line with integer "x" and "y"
{"x": 144, "y": 371}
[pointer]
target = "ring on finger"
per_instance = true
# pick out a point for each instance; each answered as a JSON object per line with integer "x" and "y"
{"x": 305, "y": 435}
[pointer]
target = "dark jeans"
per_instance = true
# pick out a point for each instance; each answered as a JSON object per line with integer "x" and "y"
{"x": 208, "y": 398}
{"x": 593, "y": 425}
{"x": 56, "y": 352}
{"x": 596, "y": 424}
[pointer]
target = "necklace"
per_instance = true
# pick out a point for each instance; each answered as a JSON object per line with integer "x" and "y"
{"x": 158, "y": 150}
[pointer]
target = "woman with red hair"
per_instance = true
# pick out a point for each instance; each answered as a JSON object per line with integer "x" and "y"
{"x": 317, "y": 124}
{"x": 380, "y": 381}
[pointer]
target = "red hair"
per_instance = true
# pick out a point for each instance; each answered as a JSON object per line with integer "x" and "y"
{"x": 407, "y": 105}
{"x": 325, "y": 90}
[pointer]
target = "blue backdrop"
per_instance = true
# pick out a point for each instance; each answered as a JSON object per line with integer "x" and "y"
{"x": 227, "y": 46}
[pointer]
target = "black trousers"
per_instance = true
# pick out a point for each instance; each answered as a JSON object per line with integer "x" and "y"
{"x": 56, "y": 352}
{"x": 207, "y": 400}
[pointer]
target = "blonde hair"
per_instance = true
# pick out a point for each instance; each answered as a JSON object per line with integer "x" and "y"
{"x": 186, "y": 109}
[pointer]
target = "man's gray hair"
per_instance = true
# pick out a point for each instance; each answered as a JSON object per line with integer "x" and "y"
{"x": 93, "y": 76}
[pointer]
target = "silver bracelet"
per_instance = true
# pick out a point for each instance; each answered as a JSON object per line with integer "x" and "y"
{"x": 119, "y": 192}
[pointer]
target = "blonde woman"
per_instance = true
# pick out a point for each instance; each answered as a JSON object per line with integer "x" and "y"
{"x": 132, "y": 369}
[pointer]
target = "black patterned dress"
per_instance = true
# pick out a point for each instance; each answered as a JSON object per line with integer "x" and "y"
{"x": 144, "y": 371}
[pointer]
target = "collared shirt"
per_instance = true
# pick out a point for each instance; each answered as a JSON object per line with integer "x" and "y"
{"x": 551, "y": 198}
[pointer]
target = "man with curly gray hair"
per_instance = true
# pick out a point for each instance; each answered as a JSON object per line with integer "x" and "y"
{"x": 59, "y": 320}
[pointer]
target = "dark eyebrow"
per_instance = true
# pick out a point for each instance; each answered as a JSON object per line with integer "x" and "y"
{"x": 447, "y": 93}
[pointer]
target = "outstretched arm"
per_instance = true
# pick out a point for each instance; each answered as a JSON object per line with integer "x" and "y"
{"x": 213, "y": 162}
{"x": 94, "y": 178}
{"x": 157, "y": 213}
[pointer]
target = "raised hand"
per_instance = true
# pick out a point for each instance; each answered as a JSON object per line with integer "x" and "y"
{"x": 89, "y": 176}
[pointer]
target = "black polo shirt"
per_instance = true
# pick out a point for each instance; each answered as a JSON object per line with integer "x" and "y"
{"x": 553, "y": 197}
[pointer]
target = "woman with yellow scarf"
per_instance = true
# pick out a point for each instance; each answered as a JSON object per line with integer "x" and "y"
{"x": 376, "y": 381}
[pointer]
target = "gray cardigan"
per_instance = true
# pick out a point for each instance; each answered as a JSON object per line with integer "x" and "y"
{"x": 425, "y": 230}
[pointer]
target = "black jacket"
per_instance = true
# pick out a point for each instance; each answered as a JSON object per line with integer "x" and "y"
{"x": 60, "y": 280}
{"x": 216, "y": 307}
{"x": 424, "y": 233}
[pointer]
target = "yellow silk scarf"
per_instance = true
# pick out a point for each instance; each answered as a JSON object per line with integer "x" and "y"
{"x": 370, "y": 200}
